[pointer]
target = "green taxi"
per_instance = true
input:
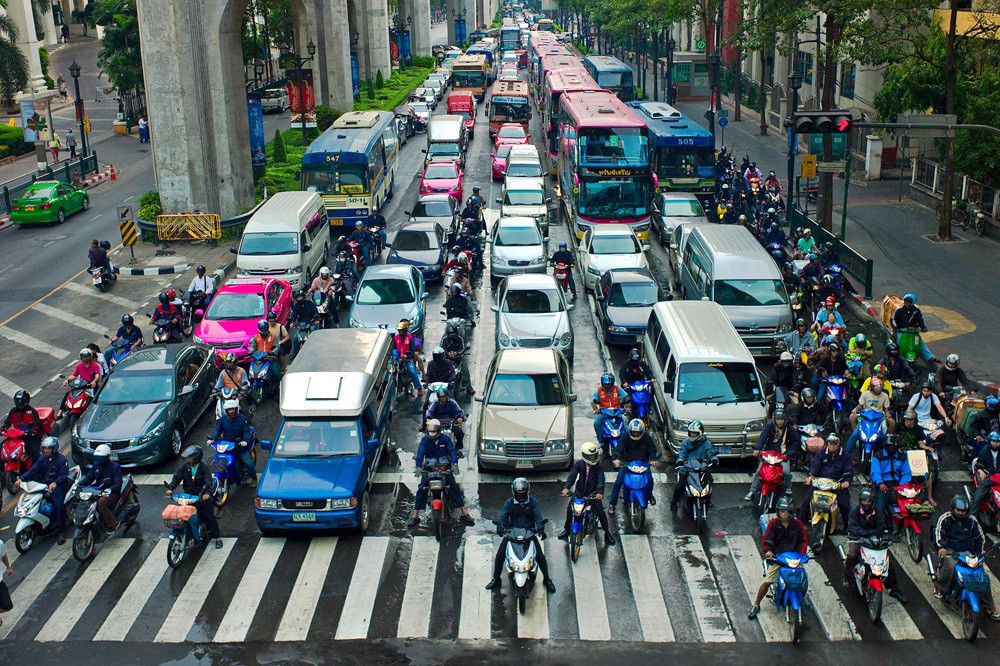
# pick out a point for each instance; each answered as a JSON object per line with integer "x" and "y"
{"x": 47, "y": 201}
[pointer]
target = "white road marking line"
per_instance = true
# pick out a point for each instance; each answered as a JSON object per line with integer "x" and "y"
{"x": 151, "y": 479}
{"x": 591, "y": 608}
{"x": 301, "y": 606}
{"x": 243, "y": 606}
{"x": 70, "y": 318}
{"x": 125, "y": 612}
{"x": 747, "y": 559}
{"x": 182, "y": 614}
{"x": 708, "y": 608}
{"x": 62, "y": 621}
{"x": 477, "y": 602}
{"x": 12, "y": 552}
{"x": 535, "y": 621}
{"x": 414, "y": 618}
{"x": 91, "y": 291}
{"x": 33, "y": 585}
{"x": 359, "y": 603}
{"x": 33, "y": 343}
{"x": 8, "y": 387}
{"x": 834, "y": 618}
{"x": 653, "y": 618}
{"x": 918, "y": 574}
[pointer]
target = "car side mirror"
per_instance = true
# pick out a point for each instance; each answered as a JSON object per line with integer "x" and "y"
{"x": 673, "y": 246}
{"x": 233, "y": 250}
{"x": 548, "y": 200}
{"x": 573, "y": 397}
{"x": 186, "y": 390}
{"x": 495, "y": 308}
{"x": 668, "y": 297}
{"x": 498, "y": 200}
{"x": 265, "y": 444}
{"x": 599, "y": 297}
{"x": 570, "y": 306}
{"x": 425, "y": 295}
{"x": 478, "y": 398}
{"x": 371, "y": 443}
{"x": 668, "y": 387}
{"x": 306, "y": 247}
{"x": 424, "y": 151}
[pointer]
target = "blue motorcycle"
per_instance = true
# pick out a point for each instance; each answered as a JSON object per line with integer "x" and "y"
{"x": 836, "y": 401}
{"x": 871, "y": 432}
{"x": 968, "y": 584}
{"x": 611, "y": 431}
{"x": 262, "y": 376}
{"x": 790, "y": 590}
{"x": 637, "y": 488}
{"x": 226, "y": 468}
{"x": 584, "y": 523}
{"x": 181, "y": 519}
{"x": 641, "y": 397}
{"x": 116, "y": 351}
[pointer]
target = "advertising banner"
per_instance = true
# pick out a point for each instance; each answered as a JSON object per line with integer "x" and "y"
{"x": 255, "y": 116}
{"x": 395, "y": 46}
{"x": 407, "y": 54}
{"x": 307, "y": 100}
{"x": 27, "y": 113}
{"x": 355, "y": 75}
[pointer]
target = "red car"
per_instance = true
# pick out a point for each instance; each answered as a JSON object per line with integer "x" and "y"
{"x": 511, "y": 133}
{"x": 442, "y": 178}
{"x": 500, "y": 160}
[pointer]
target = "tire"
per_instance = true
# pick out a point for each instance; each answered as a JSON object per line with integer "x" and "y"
{"x": 9, "y": 479}
{"x": 914, "y": 545}
{"x": 702, "y": 523}
{"x": 102, "y": 286}
{"x": 221, "y": 495}
{"x": 873, "y": 599}
{"x": 966, "y": 222}
{"x": 795, "y": 625}
{"x": 437, "y": 523}
{"x": 981, "y": 226}
{"x": 522, "y": 599}
{"x": 175, "y": 552}
{"x": 176, "y": 442}
{"x": 61, "y": 216}
{"x": 817, "y": 536}
{"x": 25, "y": 539}
{"x": 970, "y": 622}
{"x": 366, "y": 510}
{"x": 575, "y": 541}
{"x": 637, "y": 516}
{"x": 83, "y": 545}
{"x": 86, "y": 203}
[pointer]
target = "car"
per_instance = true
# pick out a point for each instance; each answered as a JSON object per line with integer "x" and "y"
{"x": 420, "y": 244}
{"x": 443, "y": 209}
{"x": 608, "y": 246}
{"x": 153, "y": 398}
{"x": 238, "y": 305}
{"x": 442, "y": 178}
{"x": 403, "y": 130}
{"x": 526, "y": 167}
{"x": 625, "y": 297}
{"x": 517, "y": 247}
{"x": 47, "y": 201}
{"x": 438, "y": 77}
{"x": 508, "y": 74}
{"x": 525, "y": 197}
{"x": 275, "y": 99}
{"x": 532, "y": 311}
{"x": 671, "y": 209}
{"x": 426, "y": 96}
{"x": 511, "y": 133}
{"x": 434, "y": 86}
{"x": 508, "y": 58}
{"x": 421, "y": 110}
{"x": 499, "y": 159}
{"x": 387, "y": 294}
{"x": 526, "y": 418}
{"x": 675, "y": 249}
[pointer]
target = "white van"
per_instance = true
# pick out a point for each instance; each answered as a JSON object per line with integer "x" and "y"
{"x": 703, "y": 372}
{"x": 288, "y": 237}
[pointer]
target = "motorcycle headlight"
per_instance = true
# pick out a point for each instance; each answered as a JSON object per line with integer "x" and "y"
{"x": 877, "y": 569}
{"x": 499, "y": 261}
{"x": 522, "y": 567}
{"x": 578, "y": 507}
{"x": 565, "y": 339}
{"x": 556, "y": 446}
{"x": 593, "y": 271}
{"x": 151, "y": 435}
{"x": 792, "y": 563}
{"x": 436, "y": 267}
{"x": 267, "y": 503}
{"x": 492, "y": 445}
{"x": 355, "y": 323}
{"x": 20, "y": 511}
{"x": 198, "y": 340}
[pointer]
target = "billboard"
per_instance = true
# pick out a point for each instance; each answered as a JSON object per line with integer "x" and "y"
{"x": 307, "y": 99}
{"x": 255, "y": 116}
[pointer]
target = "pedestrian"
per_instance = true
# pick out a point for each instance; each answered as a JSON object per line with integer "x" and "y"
{"x": 143, "y": 130}
{"x": 54, "y": 146}
{"x": 5, "y": 603}
{"x": 673, "y": 93}
{"x": 65, "y": 33}
{"x": 61, "y": 82}
{"x": 71, "y": 143}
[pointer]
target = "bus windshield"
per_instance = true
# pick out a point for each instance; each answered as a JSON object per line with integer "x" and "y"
{"x": 468, "y": 78}
{"x": 336, "y": 178}
{"x": 686, "y": 162}
{"x": 614, "y": 145}
{"x": 615, "y": 197}
{"x": 609, "y": 80}
{"x": 510, "y": 110}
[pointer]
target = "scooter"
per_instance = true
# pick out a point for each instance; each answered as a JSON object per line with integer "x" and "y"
{"x": 90, "y": 530}
{"x": 163, "y": 331}
{"x": 698, "y": 491}
{"x": 560, "y": 272}
{"x": 221, "y": 396}
{"x": 463, "y": 325}
{"x": 584, "y": 524}
{"x": 988, "y": 511}
{"x": 836, "y": 402}
{"x": 790, "y": 590}
{"x": 910, "y": 343}
{"x": 16, "y": 460}
{"x": 611, "y": 431}
{"x": 323, "y": 303}
{"x": 871, "y": 433}
{"x": 870, "y": 573}
{"x": 359, "y": 257}
{"x": 404, "y": 382}
{"x": 641, "y": 398}
{"x": 437, "y": 470}
{"x": 824, "y": 511}
{"x": 181, "y": 519}
{"x": 192, "y": 312}
{"x": 117, "y": 351}
{"x": 261, "y": 376}
{"x": 772, "y": 480}
{"x": 637, "y": 488}
{"x": 907, "y": 514}
{"x": 102, "y": 277}
{"x": 78, "y": 399}
{"x": 304, "y": 328}
{"x": 36, "y": 514}
{"x": 226, "y": 468}
{"x": 521, "y": 561}
{"x": 969, "y": 582}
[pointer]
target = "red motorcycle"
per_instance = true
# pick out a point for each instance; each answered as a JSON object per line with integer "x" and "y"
{"x": 906, "y": 515}
{"x": 772, "y": 480}
{"x": 359, "y": 257}
{"x": 16, "y": 460}
{"x": 561, "y": 273}
{"x": 989, "y": 509}
{"x": 77, "y": 400}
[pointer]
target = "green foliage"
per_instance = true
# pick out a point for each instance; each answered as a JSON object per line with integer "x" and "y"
{"x": 280, "y": 155}
{"x": 325, "y": 116}
{"x": 13, "y": 64}
{"x": 149, "y": 206}
{"x": 119, "y": 58}
{"x": 379, "y": 80}
{"x": 12, "y": 142}
{"x": 581, "y": 47}
{"x": 370, "y": 88}
{"x": 424, "y": 61}
{"x": 396, "y": 90}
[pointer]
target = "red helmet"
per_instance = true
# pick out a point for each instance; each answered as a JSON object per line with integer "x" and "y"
{"x": 171, "y": 294}
{"x": 830, "y": 300}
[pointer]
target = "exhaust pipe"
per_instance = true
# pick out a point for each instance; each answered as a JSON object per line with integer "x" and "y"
{"x": 968, "y": 496}
{"x": 930, "y": 565}
{"x": 840, "y": 549}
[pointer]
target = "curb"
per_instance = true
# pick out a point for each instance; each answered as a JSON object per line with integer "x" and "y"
{"x": 154, "y": 270}
{"x": 872, "y": 312}
{"x": 99, "y": 178}
{"x": 219, "y": 274}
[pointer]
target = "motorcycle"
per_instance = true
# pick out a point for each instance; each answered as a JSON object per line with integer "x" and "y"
{"x": 226, "y": 468}
{"x": 262, "y": 376}
{"x": 584, "y": 523}
{"x": 855, "y": 376}
{"x": 810, "y": 440}
{"x": 968, "y": 583}
{"x": 642, "y": 398}
{"x": 777, "y": 250}
{"x": 304, "y": 328}
{"x": 16, "y": 460}
{"x": 404, "y": 382}
{"x": 437, "y": 470}
{"x": 35, "y": 512}
{"x": 117, "y": 351}
{"x": 90, "y": 529}
{"x": 326, "y": 307}
{"x": 871, "y": 433}
{"x": 907, "y": 513}
{"x": 988, "y": 511}
{"x": 102, "y": 277}
{"x": 772, "y": 480}
{"x": 824, "y": 511}
{"x": 163, "y": 331}
{"x": 560, "y": 272}
{"x": 192, "y": 312}
{"x": 358, "y": 255}
{"x": 611, "y": 430}
{"x": 790, "y": 590}
{"x": 77, "y": 399}
{"x": 521, "y": 561}
{"x": 870, "y": 573}
{"x": 637, "y": 488}
{"x": 836, "y": 402}
{"x": 224, "y": 394}
{"x": 698, "y": 491}
{"x": 910, "y": 343}
{"x": 182, "y": 521}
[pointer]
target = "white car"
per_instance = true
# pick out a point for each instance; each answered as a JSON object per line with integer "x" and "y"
{"x": 671, "y": 209}
{"x": 524, "y": 166}
{"x": 609, "y": 246}
{"x": 508, "y": 74}
{"x": 532, "y": 312}
{"x": 426, "y": 96}
{"x": 275, "y": 100}
{"x": 421, "y": 110}
{"x": 525, "y": 197}
{"x": 517, "y": 247}
{"x": 435, "y": 87}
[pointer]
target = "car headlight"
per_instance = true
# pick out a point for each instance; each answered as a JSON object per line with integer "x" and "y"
{"x": 504, "y": 340}
{"x": 355, "y": 323}
{"x": 151, "y": 435}
{"x": 557, "y": 446}
{"x": 267, "y": 503}
{"x": 565, "y": 339}
{"x": 492, "y": 445}
{"x": 785, "y": 328}
{"x": 593, "y": 271}
{"x": 756, "y": 425}
{"x": 242, "y": 271}
{"x": 198, "y": 340}
{"x": 617, "y": 329}
{"x": 680, "y": 424}
{"x": 291, "y": 271}
{"x": 538, "y": 260}
{"x": 436, "y": 267}
{"x": 343, "y": 503}
{"x": 498, "y": 261}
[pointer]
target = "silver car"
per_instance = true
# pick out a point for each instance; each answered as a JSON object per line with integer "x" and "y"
{"x": 671, "y": 209}
{"x": 435, "y": 86}
{"x": 525, "y": 197}
{"x": 533, "y": 313}
{"x": 388, "y": 294}
{"x": 518, "y": 247}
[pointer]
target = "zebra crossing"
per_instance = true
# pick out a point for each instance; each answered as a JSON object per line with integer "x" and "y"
{"x": 339, "y": 587}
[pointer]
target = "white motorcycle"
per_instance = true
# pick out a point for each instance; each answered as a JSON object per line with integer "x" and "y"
{"x": 36, "y": 514}
{"x": 521, "y": 562}
{"x": 871, "y": 573}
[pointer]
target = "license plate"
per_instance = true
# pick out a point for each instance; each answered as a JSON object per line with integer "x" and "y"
{"x": 28, "y": 209}
{"x": 337, "y": 221}
{"x": 523, "y": 464}
{"x": 303, "y": 517}
{"x": 97, "y": 279}
{"x": 725, "y": 449}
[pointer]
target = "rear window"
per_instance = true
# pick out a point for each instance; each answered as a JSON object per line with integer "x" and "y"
{"x": 415, "y": 240}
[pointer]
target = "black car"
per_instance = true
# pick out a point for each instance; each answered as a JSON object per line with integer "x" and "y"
{"x": 625, "y": 297}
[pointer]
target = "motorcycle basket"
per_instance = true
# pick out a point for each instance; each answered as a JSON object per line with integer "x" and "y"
{"x": 176, "y": 516}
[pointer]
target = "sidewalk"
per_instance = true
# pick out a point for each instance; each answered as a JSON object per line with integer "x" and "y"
{"x": 176, "y": 257}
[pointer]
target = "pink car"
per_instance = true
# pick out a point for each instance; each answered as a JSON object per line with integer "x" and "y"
{"x": 232, "y": 316}
{"x": 500, "y": 160}
{"x": 442, "y": 178}
{"x": 511, "y": 133}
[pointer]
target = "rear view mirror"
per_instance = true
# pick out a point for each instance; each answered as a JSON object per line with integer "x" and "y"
{"x": 372, "y": 442}
{"x": 495, "y": 308}
{"x": 233, "y": 250}
{"x": 186, "y": 390}
{"x": 498, "y": 200}
{"x": 265, "y": 444}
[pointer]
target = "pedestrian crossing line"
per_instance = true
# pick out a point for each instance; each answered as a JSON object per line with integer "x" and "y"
{"x": 359, "y": 603}
{"x": 8, "y": 387}
{"x": 70, "y": 318}
{"x": 895, "y": 620}
{"x": 62, "y": 621}
{"x": 834, "y": 618}
{"x": 12, "y": 552}
{"x": 535, "y": 621}
{"x": 111, "y": 298}
{"x": 477, "y": 602}
{"x": 125, "y": 612}
{"x": 592, "y": 609}
{"x": 182, "y": 614}
{"x": 418, "y": 595}
{"x": 924, "y": 584}
{"x": 33, "y": 585}
{"x": 33, "y": 343}
{"x": 708, "y": 607}
{"x": 748, "y": 564}
{"x": 244, "y": 604}
{"x": 305, "y": 594}
{"x": 653, "y": 618}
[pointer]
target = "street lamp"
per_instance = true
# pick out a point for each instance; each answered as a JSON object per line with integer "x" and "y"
{"x": 715, "y": 59}
{"x": 74, "y": 71}
{"x": 258, "y": 68}
{"x": 794, "y": 83}
{"x": 671, "y": 45}
{"x": 286, "y": 52}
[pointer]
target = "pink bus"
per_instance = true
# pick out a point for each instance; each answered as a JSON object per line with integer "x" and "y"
{"x": 534, "y": 69}
{"x": 556, "y": 83}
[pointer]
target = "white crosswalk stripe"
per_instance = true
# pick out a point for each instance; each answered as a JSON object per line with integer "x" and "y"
{"x": 708, "y": 607}
{"x": 535, "y": 621}
{"x": 182, "y": 614}
{"x": 70, "y": 318}
{"x": 653, "y": 618}
{"x": 836, "y": 621}
{"x": 414, "y": 616}
{"x": 250, "y": 592}
{"x": 33, "y": 343}
{"x": 477, "y": 602}
{"x": 91, "y": 291}
{"x": 305, "y": 595}
{"x": 33, "y": 585}
{"x": 748, "y": 563}
{"x": 125, "y": 612}
{"x": 360, "y": 601}
{"x": 593, "y": 620}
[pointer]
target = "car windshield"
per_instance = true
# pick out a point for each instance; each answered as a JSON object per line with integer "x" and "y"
{"x": 41, "y": 193}
{"x": 718, "y": 382}
{"x": 444, "y": 150}
{"x": 525, "y": 170}
{"x": 125, "y": 387}
{"x": 503, "y": 150}
{"x": 318, "y": 439}
{"x": 431, "y": 209}
{"x": 523, "y": 198}
{"x": 270, "y": 243}
{"x": 385, "y": 291}
{"x": 682, "y": 209}
{"x": 632, "y": 295}
{"x": 440, "y": 171}
{"x": 750, "y": 292}
{"x": 419, "y": 107}
{"x": 415, "y": 240}
{"x": 615, "y": 245}
{"x": 231, "y": 305}
{"x": 526, "y": 390}
{"x": 532, "y": 301}
{"x": 511, "y": 132}
{"x": 518, "y": 236}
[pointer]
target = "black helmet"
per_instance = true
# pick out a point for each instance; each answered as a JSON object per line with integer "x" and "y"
{"x": 891, "y": 347}
{"x": 300, "y": 293}
{"x": 200, "y": 270}
{"x": 21, "y": 399}
{"x": 127, "y": 319}
{"x": 867, "y": 497}
{"x": 633, "y": 355}
{"x": 450, "y": 330}
{"x": 786, "y": 504}
{"x": 262, "y": 327}
{"x": 455, "y": 249}
{"x": 193, "y": 451}
{"x": 164, "y": 299}
{"x": 520, "y": 488}
{"x": 891, "y": 445}
{"x": 476, "y": 189}
{"x": 960, "y": 504}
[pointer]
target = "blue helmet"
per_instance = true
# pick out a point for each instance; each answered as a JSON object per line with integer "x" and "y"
{"x": 911, "y": 298}
{"x": 992, "y": 403}
{"x": 994, "y": 436}
{"x": 607, "y": 378}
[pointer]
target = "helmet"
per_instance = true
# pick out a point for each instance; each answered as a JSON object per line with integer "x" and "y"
{"x": 725, "y": 186}
{"x": 909, "y": 415}
{"x": 633, "y": 355}
{"x": 830, "y": 300}
{"x": 262, "y": 326}
{"x": 808, "y": 393}
{"x": 520, "y": 488}
{"x": 21, "y": 399}
{"x": 812, "y": 255}
{"x": 300, "y": 293}
{"x": 927, "y": 385}
{"x": 992, "y": 403}
{"x": 464, "y": 231}
{"x": 403, "y": 325}
{"x": 86, "y": 352}
{"x": 200, "y": 269}
{"x": 433, "y": 428}
{"x": 476, "y": 189}
{"x": 171, "y": 294}
{"x": 324, "y": 271}
{"x": 876, "y": 383}
{"x": 743, "y": 218}
{"x": 959, "y": 504}
{"x": 880, "y": 369}
{"x": 832, "y": 438}
{"x": 867, "y": 497}
{"x": 833, "y": 344}
{"x": 231, "y": 404}
{"x": 911, "y": 298}
{"x": 103, "y": 452}
{"x": 127, "y": 319}
{"x": 359, "y": 224}
{"x": 341, "y": 239}
{"x": 891, "y": 347}
{"x": 992, "y": 437}
{"x": 771, "y": 211}
{"x": 800, "y": 322}
{"x": 455, "y": 249}
{"x": 786, "y": 504}
{"x": 860, "y": 339}
{"x": 164, "y": 299}
{"x": 456, "y": 287}
{"x": 450, "y": 330}
{"x": 951, "y": 361}
{"x": 51, "y": 442}
{"x": 272, "y": 316}
{"x": 562, "y": 245}
{"x": 786, "y": 356}
{"x": 589, "y": 453}
{"x": 462, "y": 256}
{"x": 827, "y": 279}
{"x": 789, "y": 266}
{"x": 697, "y": 428}
{"x": 635, "y": 428}
{"x": 891, "y": 444}
{"x": 607, "y": 379}
{"x": 438, "y": 353}
{"x": 193, "y": 451}
{"x": 229, "y": 358}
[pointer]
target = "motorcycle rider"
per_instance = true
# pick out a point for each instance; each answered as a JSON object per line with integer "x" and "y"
{"x": 637, "y": 446}
{"x": 476, "y": 199}
{"x": 445, "y": 407}
{"x": 88, "y": 369}
{"x": 454, "y": 346}
{"x": 986, "y": 420}
{"x": 775, "y": 437}
{"x": 829, "y": 256}
{"x": 806, "y": 244}
{"x": 829, "y": 307}
{"x": 129, "y": 332}
{"x": 896, "y": 366}
{"x": 342, "y": 247}
{"x": 196, "y": 479}
{"x": 376, "y": 225}
{"x": 772, "y": 181}
{"x": 201, "y": 283}
{"x": 363, "y": 238}
{"x": 322, "y": 283}
{"x": 439, "y": 369}
{"x": 774, "y": 233}
{"x": 860, "y": 346}
{"x": 790, "y": 278}
{"x": 783, "y": 376}
{"x": 170, "y": 312}
{"x": 925, "y": 402}
{"x": 266, "y": 341}
{"x": 586, "y": 479}
{"x": 986, "y": 464}
{"x": 435, "y": 444}
{"x": 812, "y": 271}
{"x": 99, "y": 258}
{"x": 890, "y": 468}
{"x": 808, "y": 410}
{"x": 25, "y": 418}
{"x": 234, "y": 427}
{"x": 303, "y": 310}
{"x": 405, "y": 349}
{"x": 908, "y": 315}
{"x": 470, "y": 246}
{"x": 105, "y": 474}
{"x": 564, "y": 256}
{"x": 951, "y": 376}
{"x": 607, "y": 396}
{"x": 459, "y": 262}
{"x": 52, "y": 469}
{"x": 347, "y": 269}
{"x": 232, "y": 375}
{"x": 521, "y": 510}
{"x": 634, "y": 370}
{"x": 830, "y": 463}
{"x": 827, "y": 361}
{"x": 955, "y": 532}
{"x": 800, "y": 340}
{"x": 876, "y": 399}
{"x": 457, "y": 305}
{"x": 864, "y": 522}
{"x": 784, "y": 534}
{"x": 694, "y": 447}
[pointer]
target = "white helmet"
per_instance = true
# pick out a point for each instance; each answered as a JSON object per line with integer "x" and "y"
{"x": 102, "y": 451}
{"x": 589, "y": 453}
{"x": 463, "y": 256}
{"x": 324, "y": 271}
{"x": 231, "y": 404}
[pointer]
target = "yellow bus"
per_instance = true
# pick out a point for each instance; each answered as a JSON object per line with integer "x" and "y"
{"x": 469, "y": 73}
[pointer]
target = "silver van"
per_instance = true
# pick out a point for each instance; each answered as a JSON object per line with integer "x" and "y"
{"x": 703, "y": 372}
{"x": 724, "y": 263}
{"x": 445, "y": 139}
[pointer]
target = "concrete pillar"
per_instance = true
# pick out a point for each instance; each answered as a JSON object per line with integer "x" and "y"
{"x": 27, "y": 41}
{"x": 472, "y": 19}
{"x": 873, "y": 158}
{"x": 450, "y": 7}
{"x": 306, "y": 29}
{"x": 377, "y": 28}
{"x": 420, "y": 27}
{"x": 333, "y": 51}
{"x": 51, "y": 34}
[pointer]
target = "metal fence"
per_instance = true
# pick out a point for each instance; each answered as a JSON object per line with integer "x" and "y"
{"x": 856, "y": 265}
{"x": 67, "y": 172}
{"x": 929, "y": 176}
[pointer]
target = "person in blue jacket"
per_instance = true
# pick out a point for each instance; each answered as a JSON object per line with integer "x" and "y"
{"x": 234, "y": 427}
{"x": 52, "y": 469}
{"x": 890, "y": 468}
{"x": 521, "y": 510}
{"x": 435, "y": 444}
{"x": 445, "y": 407}
{"x": 105, "y": 474}
{"x": 694, "y": 447}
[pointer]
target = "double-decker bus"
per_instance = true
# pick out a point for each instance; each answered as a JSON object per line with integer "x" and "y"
{"x": 612, "y": 74}
{"x": 682, "y": 151}
{"x": 510, "y": 35}
{"x": 508, "y": 103}
{"x": 604, "y": 170}
{"x": 352, "y": 165}
{"x": 470, "y": 72}
{"x": 556, "y": 83}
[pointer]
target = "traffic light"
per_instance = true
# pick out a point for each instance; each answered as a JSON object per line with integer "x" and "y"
{"x": 835, "y": 121}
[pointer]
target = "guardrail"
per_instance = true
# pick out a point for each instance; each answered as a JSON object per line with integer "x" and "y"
{"x": 856, "y": 265}
{"x": 235, "y": 221}
{"x": 66, "y": 173}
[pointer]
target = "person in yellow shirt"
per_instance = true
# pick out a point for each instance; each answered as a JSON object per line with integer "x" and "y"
{"x": 54, "y": 146}
{"x": 882, "y": 372}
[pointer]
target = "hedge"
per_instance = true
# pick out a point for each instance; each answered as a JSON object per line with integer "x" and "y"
{"x": 12, "y": 142}
{"x": 395, "y": 90}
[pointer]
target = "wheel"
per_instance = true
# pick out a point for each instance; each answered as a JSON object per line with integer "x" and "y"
{"x": 437, "y": 522}
{"x": 873, "y": 598}
{"x": 970, "y": 621}
{"x": 366, "y": 510}
{"x": 914, "y": 545}
{"x": 702, "y": 523}
{"x": 522, "y": 599}
{"x": 131, "y": 516}
{"x": 61, "y": 216}
{"x": 102, "y": 286}
{"x": 817, "y": 536}
{"x": 795, "y": 625}
{"x": 981, "y": 226}
{"x": 575, "y": 541}
{"x": 222, "y": 494}
{"x": 637, "y": 516}
{"x": 86, "y": 203}
{"x": 176, "y": 442}
{"x": 83, "y": 545}
{"x": 24, "y": 539}
{"x": 256, "y": 394}
{"x": 9, "y": 478}
{"x": 966, "y": 222}
{"x": 175, "y": 552}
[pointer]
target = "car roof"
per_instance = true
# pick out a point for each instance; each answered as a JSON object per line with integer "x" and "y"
{"x": 631, "y": 275}
{"x": 522, "y": 183}
{"x": 701, "y": 331}
{"x": 453, "y": 163}
{"x": 434, "y": 197}
{"x": 517, "y": 221}
{"x": 152, "y": 357}
{"x": 248, "y": 285}
{"x": 531, "y": 281}
{"x": 528, "y": 361}
{"x": 612, "y": 230}
{"x": 387, "y": 271}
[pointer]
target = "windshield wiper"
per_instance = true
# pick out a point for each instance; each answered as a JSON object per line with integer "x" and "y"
{"x": 709, "y": 398}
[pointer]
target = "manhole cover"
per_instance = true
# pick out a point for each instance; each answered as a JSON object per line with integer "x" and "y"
{"x": 934, "y": 239}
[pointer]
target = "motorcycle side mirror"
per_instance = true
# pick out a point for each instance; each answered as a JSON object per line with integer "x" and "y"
{"x": 425, "y": 295}
{"x": 372, "y": 442}
{"x": 668, "y": 297}
{"x": 265, "y": 444}
{"x": 306, "y": 247}
{"x": 548, "y": 200}
{"x": 186, "y": 390}
{"x": 276, "y": 309}
{"x": 570, "y": 306}
{"x": 406, "y": 212}
{"x": 348, "y": 297}
{"x": 599, "y": 297}
{"x": 495, "y": 308}
{"x": 107, "y": 337}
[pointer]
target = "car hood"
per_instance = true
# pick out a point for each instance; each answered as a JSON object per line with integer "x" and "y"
{"x": 450, "y": 183}
{"x": 416, "y": 257}
{"x": 386, "y": 315}
{"x": 632, "y": 317}
{"x": 523, "y": 211}
{"x": 296, "y": 478}
{"x": 533, "y": 325}
{"x": 116, "y": 422}
{"x": 519, "y": 252}
{"x": 539, "y": 423}
{"x": 604, "y": 262}
{"x": 213, "y": 331}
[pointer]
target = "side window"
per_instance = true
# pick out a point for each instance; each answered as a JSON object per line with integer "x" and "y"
{"x": 303, "y": 239}
{"x": 272, "y": 297}
{"x": 662, "y": 350}
{"x": 367, "y": 423}
{"x": 671, "y": 369}
{"x": 187, "y": 369}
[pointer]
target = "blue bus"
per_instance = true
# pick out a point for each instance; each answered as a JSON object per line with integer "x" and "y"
{"x": 353, "y": 166}
{"x": 683, "y": 152}
{"x": 611, "y": 74}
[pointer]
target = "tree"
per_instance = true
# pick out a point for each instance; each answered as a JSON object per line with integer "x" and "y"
{"x": 120, "y": 58}
{"x": 280, "y": 155}
{"x": 13, "y": 65}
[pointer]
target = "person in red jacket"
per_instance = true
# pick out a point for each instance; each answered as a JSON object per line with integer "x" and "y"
{"x": 784, "y": 534}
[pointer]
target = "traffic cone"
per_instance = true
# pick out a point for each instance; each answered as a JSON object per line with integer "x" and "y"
{"x": 114, "y": 176}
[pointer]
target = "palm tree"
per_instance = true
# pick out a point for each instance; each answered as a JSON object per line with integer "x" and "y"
{"x": 13, "y": 64}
